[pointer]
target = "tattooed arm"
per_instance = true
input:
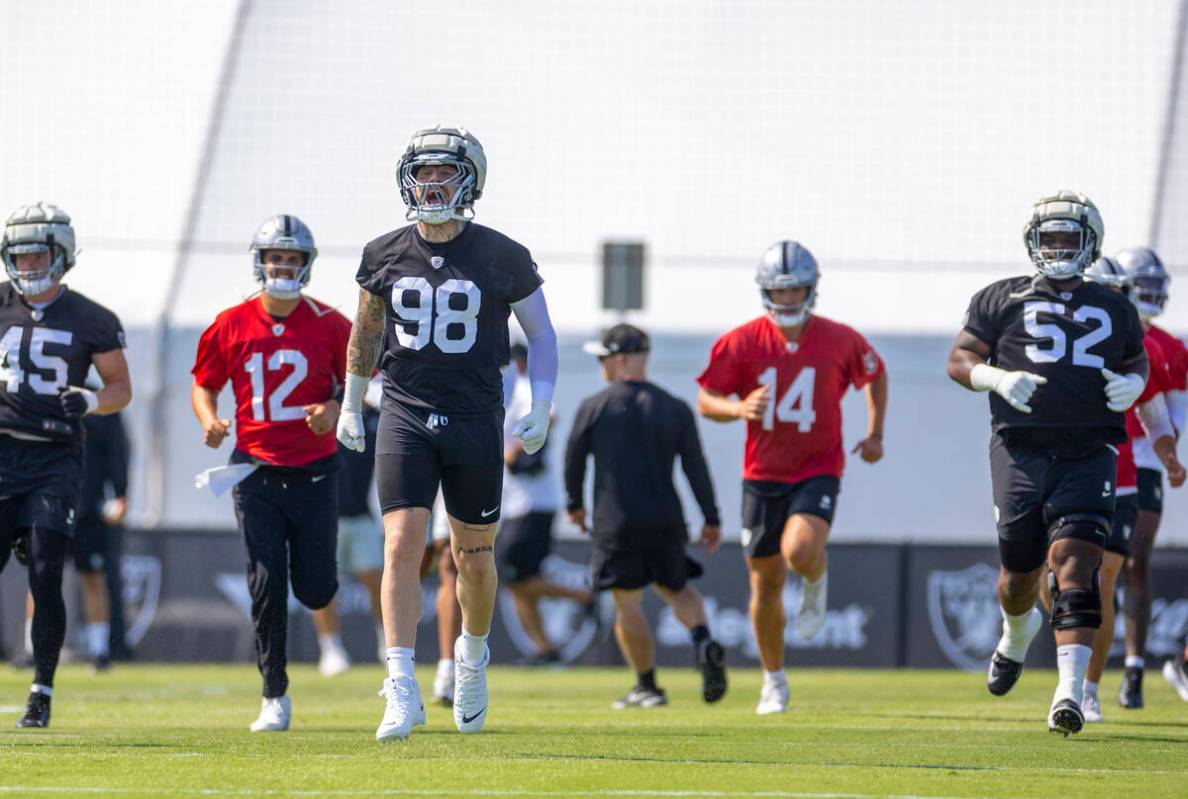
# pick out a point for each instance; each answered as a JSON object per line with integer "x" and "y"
{"x": 363, "y": 353}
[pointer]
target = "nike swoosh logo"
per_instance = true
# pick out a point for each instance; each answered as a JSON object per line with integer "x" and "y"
{"x": 487, "y": 513}
{"x": 467, "y": 719}
{"x": 316, "y": 479}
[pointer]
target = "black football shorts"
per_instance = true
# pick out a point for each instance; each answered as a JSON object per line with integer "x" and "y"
{"x": 1126, "y": 510}
{"x": 418, "y": 450}
{"x": 1150, "y": 490}
{"x": 654, "y": 557}
{"x": 767, "y": 506}
{"x": 43, "y": 480}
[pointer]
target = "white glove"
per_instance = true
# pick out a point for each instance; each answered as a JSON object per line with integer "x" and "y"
{"x": 350, "y": 418}
{"x": 1122, "y": 390}
{"x": 1014, "y": 387}
{"x": 533, "y": 429}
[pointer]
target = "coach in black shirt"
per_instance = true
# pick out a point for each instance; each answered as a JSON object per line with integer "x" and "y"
{"x": 635, "y": 430}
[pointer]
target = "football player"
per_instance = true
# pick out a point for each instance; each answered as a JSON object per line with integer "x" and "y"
{"x": 50, "y": 337}
{"x": 1062, "y": 359}
{"x": 284, "y": 354}
{"x": 788, "y": 370}
{"x": 1148, "y": 416}
{"x": 442, "y": 289}
{"x": 1149, "y": 280}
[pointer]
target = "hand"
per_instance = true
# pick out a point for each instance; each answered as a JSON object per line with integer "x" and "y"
{"x": 1122, "y": 390}
{"x": 114, "y": 510}
{"x": 321, "y": 416}
{"x": 711, "y": 537}
{"x": 350, "y": 430}
{"x": 578, "y": 519}
{"x": 214, "y": 431}
{"x": 870, "y": 449}
{"x": 1175, "y": 472}
{"x": 754, "y": 405}
{"x": 77, "y": 402}
{"x": 533, "y": 429}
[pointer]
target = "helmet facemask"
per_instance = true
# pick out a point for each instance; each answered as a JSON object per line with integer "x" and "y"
{"x": 282, "y": 288}
{"x": 32, "y": 282}
{"x": 789, "y": 315}
{"x": 436, "y": 203}
{"x": 1061, "y": 248}
{"x": 1149, "y": 295}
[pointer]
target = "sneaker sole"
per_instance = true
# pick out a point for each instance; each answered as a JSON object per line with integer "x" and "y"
{"x": 392, "y": 736}
{"x": 1066, "y": 721}
{"x": 713, "y": 673}
{"x": 1170, "y": 673}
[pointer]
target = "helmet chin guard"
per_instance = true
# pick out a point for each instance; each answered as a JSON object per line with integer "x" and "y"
{"x": 788, "y": 265}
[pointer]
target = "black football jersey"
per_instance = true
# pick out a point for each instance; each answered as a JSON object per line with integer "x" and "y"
{"x": 447, "y": 307}
{"x": 43, "y": 351}
{"x": 1066, "y": 335}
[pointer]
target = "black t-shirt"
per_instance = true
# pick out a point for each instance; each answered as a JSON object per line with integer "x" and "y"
{"x": 43, "y": 351}
{"x": 1066, "y": 335}
{"x": 635, "y": 432}
{"x": 355, "y": 470}
{"x": 446, "y": 309}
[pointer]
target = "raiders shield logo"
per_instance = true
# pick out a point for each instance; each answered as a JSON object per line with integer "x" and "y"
{"x": 963, "y": 611}
{"x": 565, "y": 623}
{"x": 142, "y": 592}
{"x": 437, "y": 262}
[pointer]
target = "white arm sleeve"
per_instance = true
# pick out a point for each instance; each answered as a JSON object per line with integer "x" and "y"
{"x": 1177, "y": 408}
{"x": 1153, "y": 416}
{"x": 532, "y": 313}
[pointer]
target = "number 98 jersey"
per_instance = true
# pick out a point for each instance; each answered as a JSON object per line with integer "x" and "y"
{"x": 446, "y": 309}
{"x": 1067, "y": 335}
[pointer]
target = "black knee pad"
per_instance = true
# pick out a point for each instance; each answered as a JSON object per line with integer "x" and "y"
{"x": 1089, "y": 527}
{"x": 1076, "y": 607}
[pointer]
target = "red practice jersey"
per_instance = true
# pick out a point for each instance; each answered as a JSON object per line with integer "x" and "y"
{"x": 276, "y": 368}
{"x": 800, "y": 435}
{"x": 1176, "y": 354}
{"x": 1159, "y": 380}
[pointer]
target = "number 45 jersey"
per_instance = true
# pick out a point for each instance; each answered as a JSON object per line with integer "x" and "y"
{"x": 1067, "y": 335}
{"x": 276, "y": 368}
{"x": 446, "y": 307}
{"x": 42, "y": 352}
{"x": 800, "y": 436}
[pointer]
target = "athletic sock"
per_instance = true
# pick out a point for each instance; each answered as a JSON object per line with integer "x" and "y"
{"x": 329, "y": 641}
{"x": 646, "y": 680}
{"x": 445, "y": 666}
{"x": 29, "y": 637}
{"x": 1072, "y": 661}
{"x": 38, "y": 688}
{"x": 777, "y": 677}
{"x": 380, "y": 638}
{"x": 98, "y": 638}
{"x": 1016, "y": 637}
{"x": 472, "y": 648}
{"x": 401, "y": 661}
{"x": 1091, "y": 688}
{"x": 1135, "y": 662}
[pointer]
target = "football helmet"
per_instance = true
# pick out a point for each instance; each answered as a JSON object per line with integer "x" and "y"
{"x": 456, "y": 147}
{"x": 283, "y": 232}
{"x": 787, "y": 265}
{"x": 1149, "y": 280}
{"x": 1056, "y": 221}
{"x": 34, "y": 228}
{"x": 1108, "y": 272}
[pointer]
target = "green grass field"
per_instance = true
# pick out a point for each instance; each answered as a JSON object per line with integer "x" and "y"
{"x": 154, "y": 731}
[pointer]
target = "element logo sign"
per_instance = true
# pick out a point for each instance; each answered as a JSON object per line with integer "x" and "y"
{"x": 142, "y": 592}
{"x": 963, "y": 611}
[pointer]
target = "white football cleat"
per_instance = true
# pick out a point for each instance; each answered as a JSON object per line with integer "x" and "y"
{"x": 404, "y": 709}
{"x": 443, "y": 683}
{"x": 1173, "y": 672}
{"x": 811, "y": 616}
{"x": 773, "y": 698}
{"x": 470, "y": 690}
{"x": 275, "y": 715}
{"x": 333, "y": 661}
{"x": 1091, "y": 708}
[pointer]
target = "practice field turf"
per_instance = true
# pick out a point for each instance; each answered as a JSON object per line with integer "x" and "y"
{"x": 156, "y": 731}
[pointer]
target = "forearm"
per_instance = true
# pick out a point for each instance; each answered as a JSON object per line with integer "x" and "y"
{"x": 1177, "y": 408}
{"x": 205, "y": 404}
{"x": 113, "y": 397}
{"x": 363, "y": 350}
{"x": 1153, "y": 417}
{"x": 718, "y": 408}
{"x": 876, "y": 405}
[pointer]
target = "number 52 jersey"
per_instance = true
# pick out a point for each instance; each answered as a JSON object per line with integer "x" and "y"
{"x": 1066, "y": 335}
{"x": 446, "y": 307}
{"x": 800, "y": 435}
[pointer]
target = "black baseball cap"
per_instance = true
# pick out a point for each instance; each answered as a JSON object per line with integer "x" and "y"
{"x": 619, "y": 340}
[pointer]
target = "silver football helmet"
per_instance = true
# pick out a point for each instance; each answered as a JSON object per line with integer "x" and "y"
{"x": 1149, "y": 279}
{"x": 1063, "y": 235}
{"x": 788, "y": 265}
{"x": 38, "y": 227}
{"x": 437, "y": 203}
{"x": 1108, "y": 272}
{"x": 283, "y": 232}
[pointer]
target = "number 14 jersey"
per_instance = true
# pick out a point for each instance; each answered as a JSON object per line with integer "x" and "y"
{"x": 1067, "y": 335}
{"x": 447, "y": 306}
{"x": 800, "y": 436}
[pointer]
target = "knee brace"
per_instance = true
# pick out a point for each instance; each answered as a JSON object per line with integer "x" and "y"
{"x": 1076, "y": 607}
{"x": 1089, "y": 527}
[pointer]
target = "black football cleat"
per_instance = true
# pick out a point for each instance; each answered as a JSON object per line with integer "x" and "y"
{"x": 100, "y": 663}
{"x": 1003, "y": 674}
{"x": 37, "y": 711}
{"x": 1066, "y": 717}
{"x": 711, "y": 659}
{"x": 1130, "y": 693}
